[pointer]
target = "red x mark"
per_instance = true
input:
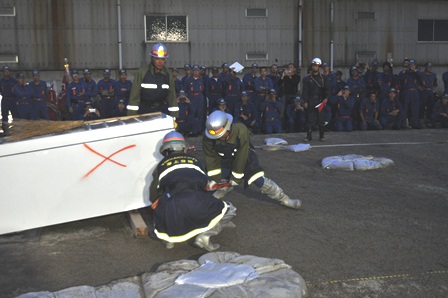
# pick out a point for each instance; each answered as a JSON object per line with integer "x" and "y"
{"x": 106, "y": 158}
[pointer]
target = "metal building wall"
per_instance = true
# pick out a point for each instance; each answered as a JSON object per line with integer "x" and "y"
{"x": 43, "y": 32}
{"x": 393, "y": 31}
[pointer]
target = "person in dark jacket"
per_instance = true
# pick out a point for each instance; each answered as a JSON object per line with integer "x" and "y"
{"x": 183, "y": 209}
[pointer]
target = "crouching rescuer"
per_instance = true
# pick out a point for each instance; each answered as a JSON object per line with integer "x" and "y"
{"x": 227, "y": 148}
{"x": 183, "y": 208}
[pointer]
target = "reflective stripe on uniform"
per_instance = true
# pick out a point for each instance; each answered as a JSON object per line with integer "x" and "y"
{"x": 132, "y": 108}
{"x": 149, "y": 86}
{"x": 214, "y": 172}
{"x": 191, "y": 234}
{"x": 177, "y": 167}
{"x": 173, "y": 109}
{"x": 165, "y": 86}
{"x": 255, "y": 177}
{"x": 238, "y": 175}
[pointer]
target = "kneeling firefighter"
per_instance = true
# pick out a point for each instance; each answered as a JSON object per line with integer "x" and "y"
{"x": 183, "y": 208}
{"x": 226, "y": 145}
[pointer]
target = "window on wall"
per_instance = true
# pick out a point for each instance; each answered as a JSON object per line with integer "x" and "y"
{"x": 166, "y": 28}
{"x": 432, "y": 30}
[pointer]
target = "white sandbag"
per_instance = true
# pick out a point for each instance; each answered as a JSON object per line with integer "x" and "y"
{"x": 275, "y": 141}
{"x": 351, "y": 162}
{"x": 216, "y": 275}
{"x": 297, "y": 147}
{"x": 364, "y": 164}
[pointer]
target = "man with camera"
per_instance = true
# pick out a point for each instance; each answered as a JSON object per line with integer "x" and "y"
{"x": 187, "y": 122}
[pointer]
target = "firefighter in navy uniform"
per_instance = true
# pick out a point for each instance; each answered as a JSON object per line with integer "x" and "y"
{"x": 316, "y": 91}
{"x": 227, "y": 144}
{"x": 152, "y": 88}
{"x": 183, "y": 209}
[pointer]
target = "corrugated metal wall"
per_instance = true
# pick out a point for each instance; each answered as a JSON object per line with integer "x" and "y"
{"x": 43, "y": 32}
{"x": 393, "y": 31}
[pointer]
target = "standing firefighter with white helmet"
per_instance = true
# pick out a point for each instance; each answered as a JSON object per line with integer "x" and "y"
{"x": 153, "y": 89}
{"x": 182, "y": 207}
{"x": 228, "y": 143}
{"x": 315, "y": 93}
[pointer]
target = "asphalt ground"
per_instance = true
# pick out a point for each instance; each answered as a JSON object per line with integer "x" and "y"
{"x": 379, "y": 233}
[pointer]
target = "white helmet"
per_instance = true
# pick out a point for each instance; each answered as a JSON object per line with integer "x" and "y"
{"x": 217, "y": 124}
{"x": 316, "y": 61}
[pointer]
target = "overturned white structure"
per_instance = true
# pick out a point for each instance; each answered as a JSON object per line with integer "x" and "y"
{"x": 98, "y": 169}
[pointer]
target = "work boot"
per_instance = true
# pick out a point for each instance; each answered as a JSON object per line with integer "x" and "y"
{"x": 5, "y": 128}
{"x": 321, "y": 134}
{"x": 309, "y": 136}
{"x": 203, "y": 240}
{"x": 272, "y": 190}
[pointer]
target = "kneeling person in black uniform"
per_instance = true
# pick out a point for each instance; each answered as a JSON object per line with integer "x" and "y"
{"x": 229, "y": 142}
{"x": 183, "y": 208}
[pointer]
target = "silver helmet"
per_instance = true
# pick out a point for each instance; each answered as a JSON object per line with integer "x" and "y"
{"x": 173, "y": 141}
{"x": 316, "y": 61}
{"x": 218, "y": 123}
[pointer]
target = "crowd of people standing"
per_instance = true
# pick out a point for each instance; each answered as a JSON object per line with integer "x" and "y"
{"x": 266, "y": 100}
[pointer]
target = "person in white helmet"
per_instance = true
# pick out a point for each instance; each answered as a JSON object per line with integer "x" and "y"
{"x": 183, "y": 209}
{"x": 315, "y": 94}
{"x": 153, "y": 89}
{"x": 228, "y": 143}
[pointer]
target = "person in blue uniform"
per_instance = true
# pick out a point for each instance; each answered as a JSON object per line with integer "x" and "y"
{"x": 428, "y": 81}
{"x": 187, "y": 122}
{"x": 106, "y": 90}
{"x": 39, "y": 97}
{"x": 24, "y": 97}
{"x": 90, "y": 112}
{"x": 188, "y": 72}
{"x": 123, "y": 87}
{"x": 120, "y": 110}
{"x": 358, "y": 90}
{"x": 445, "y": 82}
{"x": 77, "y": 96}
{"x": 275, "y": 77}
{"x": 224, "y": 75}
{"x": 387, "y": 80}
{"x": 222, "y": 106}
{"x": 183, "y": 209}
{"x": 195, "y": 90}
{"x": 246, "y": 113}
{"x": 295, "y": 115}
{"x": 344, "y": 103}
{"x": 91, "y": 84}
{"x": 262, "y": 86}
{"x": 410, "y": 83}
{"x": 441, "y": 112}
{"x": 371, "y": 78}
{"x": 233, "y": 90}
{"x": 391, "y": 111}
{"x": 271, "y": 110}
{"x": 369, "y": 113}
{"x": 213, "y": 89}
{"x": 9, "y": 102}
{"x": 176, "y": 81}
{"x": 249, "y": 81}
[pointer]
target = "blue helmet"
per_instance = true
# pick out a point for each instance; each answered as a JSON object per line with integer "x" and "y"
{"x": 172, "y": 142}
{"x": 159, "y": 51}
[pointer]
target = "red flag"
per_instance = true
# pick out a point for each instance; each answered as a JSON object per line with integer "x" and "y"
{"x": 320, "y": 106}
